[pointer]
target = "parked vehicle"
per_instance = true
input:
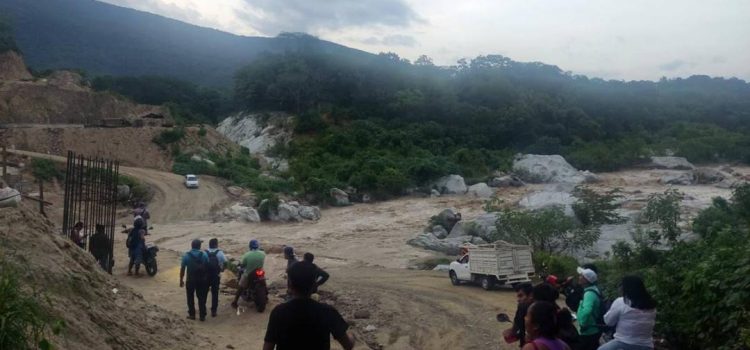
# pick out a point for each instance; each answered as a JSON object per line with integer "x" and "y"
{"x": 257, "y": 292}
{"x": 191, "y": 181}
{"x": 493, "y": 264}
{"x": 149, "y": 258}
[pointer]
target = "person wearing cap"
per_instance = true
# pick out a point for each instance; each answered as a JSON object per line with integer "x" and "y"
{"x": 195, "y": 262}
{"x": 251, "y": 261}
{"x": 588, "y": 311}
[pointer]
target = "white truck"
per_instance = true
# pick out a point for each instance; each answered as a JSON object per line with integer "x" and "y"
{"x": 491, "y": 264}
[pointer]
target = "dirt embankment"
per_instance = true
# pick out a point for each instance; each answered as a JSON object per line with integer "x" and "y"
{"x": 131, "y": 146}
{"x": 99, "y": 312}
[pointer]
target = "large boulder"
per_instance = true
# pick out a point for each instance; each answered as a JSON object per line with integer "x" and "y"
{"x": 309, "y": 213}
{"x": 340, "y": 198}
{"x": 451, "y": 184}
{"x": 287, "y": 213}
{"x": 536, "y": 168}
{"x": 447, "y": 218}
{"x": 506, "y": 181}
{"x": 675, "y": 163}
{"x": 709, "y": 176}
{"x": 483, "y": 226}
{"x": 549, "y": 197}
{"x": 450, "y": 246}
{"x": 480, "y": 190}
{"x": 439, "y": 231}
{"x": 9, "y": 197}
{"x": 684, "y": 178}
{"x": 239, "y": 212}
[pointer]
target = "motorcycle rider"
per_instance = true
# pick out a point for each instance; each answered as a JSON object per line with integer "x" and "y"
{"x": 251, "y": 261}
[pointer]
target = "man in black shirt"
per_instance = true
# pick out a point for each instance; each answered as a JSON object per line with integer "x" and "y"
{"x": 303, "y": 323}
{"x": 320, "y": 275}
{"x": 518, "y": 331}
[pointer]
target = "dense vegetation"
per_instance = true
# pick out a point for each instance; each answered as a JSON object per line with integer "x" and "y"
{"x": 702, "y": 286}
{"x": 187, "y": 102}
{"x": 103, "y": 39}
{"x": 7, "y": 41}
{"x": 383, "y": 124}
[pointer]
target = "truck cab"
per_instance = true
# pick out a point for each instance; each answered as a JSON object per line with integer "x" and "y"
{"x": 492, "y": 264}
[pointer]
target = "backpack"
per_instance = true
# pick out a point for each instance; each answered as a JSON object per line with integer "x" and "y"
{"x": 214, "y": 268}
{"x": 604, "y": 305}
{"x": 197, "y": 271}
{"x": 129, "y": 243}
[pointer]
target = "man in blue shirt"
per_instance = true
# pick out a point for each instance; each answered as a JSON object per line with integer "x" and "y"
{"x": 196, "y": 263}
{"x": 216, "y": 263}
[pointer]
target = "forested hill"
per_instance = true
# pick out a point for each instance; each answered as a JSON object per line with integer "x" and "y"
{"x": 383, "y": 123}
{"x": 103, "y": 39}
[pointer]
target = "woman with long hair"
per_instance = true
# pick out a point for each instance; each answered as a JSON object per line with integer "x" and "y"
{"x": 633, "y": 315}
{"x": 542, "y": 328}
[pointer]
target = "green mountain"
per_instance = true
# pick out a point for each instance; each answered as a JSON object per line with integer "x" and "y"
{"x": 103, "y": 39}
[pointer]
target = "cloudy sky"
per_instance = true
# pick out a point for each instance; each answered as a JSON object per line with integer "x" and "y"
{"x": 633, "y": 39}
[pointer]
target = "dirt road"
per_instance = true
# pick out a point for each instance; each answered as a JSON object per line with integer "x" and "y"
{"x": 362, "y": 246}
{"x": 172, "y": 201}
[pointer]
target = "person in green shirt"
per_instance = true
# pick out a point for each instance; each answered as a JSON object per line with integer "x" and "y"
{"x": 589, "y": 310}
{"x": 251, "y": 261}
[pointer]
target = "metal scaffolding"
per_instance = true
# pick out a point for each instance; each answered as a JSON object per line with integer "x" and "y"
{"x": 91, "y": 199}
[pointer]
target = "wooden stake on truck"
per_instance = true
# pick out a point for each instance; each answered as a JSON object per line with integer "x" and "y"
{"x": 490, "y": 264}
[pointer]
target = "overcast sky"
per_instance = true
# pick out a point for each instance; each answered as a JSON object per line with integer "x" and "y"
{"x": 633, "y": 39}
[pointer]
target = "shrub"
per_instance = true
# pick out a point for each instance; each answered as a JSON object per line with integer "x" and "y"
{"x": 169, "y": 136}
{"x": 595, "y": 209}
{"x": 139, "y": 191}
{"x": 202, "y": 132}
{"x": 664, "y": 209}
{"x": 552, "y": 264}
{"x": 45, "y": 169}
{"x": 548, "y": 230}
{"x": 23, "y": 322}
{"x": 269, "y": 203}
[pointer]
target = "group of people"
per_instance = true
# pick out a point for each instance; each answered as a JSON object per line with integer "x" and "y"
{"x": 203, "y": 270}
{"x": 293, "y": 324}
{"x": 540, "y": 324}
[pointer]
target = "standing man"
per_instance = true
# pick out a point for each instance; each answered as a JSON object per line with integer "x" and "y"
{"x": 320, "y": 275}
{"x": 251, "y": 261}
{"x": 589, "y": 310}
{"x": 303, "y": 323}
{"x": 196, "y": 263}
{"x": 216, "y": 263}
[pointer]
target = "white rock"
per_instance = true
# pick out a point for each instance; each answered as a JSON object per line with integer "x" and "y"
{"x": 544, "y": 168}
{"x": 684, "y": 178}
{"x": 287, "y": 213}
{"x": 480, "y": 190}
{"x": 547, "y": 198}
{"x": 676, "y": 163}
{"x": 340, "y": 197}
{"x": 451, "y": 184}
{"x": 9, "y": 197}
{"x": 309, "y": 213}
{"x": 242, "y": 213}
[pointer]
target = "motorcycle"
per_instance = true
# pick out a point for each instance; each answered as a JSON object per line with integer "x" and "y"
{"x": 149, "y": 258}
{"x": 257, "y": 291}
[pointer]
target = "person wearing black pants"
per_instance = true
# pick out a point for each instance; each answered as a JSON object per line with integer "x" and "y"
{"x": 195, "y": 262}
{"x": 216, "y": 263}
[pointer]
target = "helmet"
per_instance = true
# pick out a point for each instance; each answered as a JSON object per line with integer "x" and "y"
{"x": 254, "y": 244}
